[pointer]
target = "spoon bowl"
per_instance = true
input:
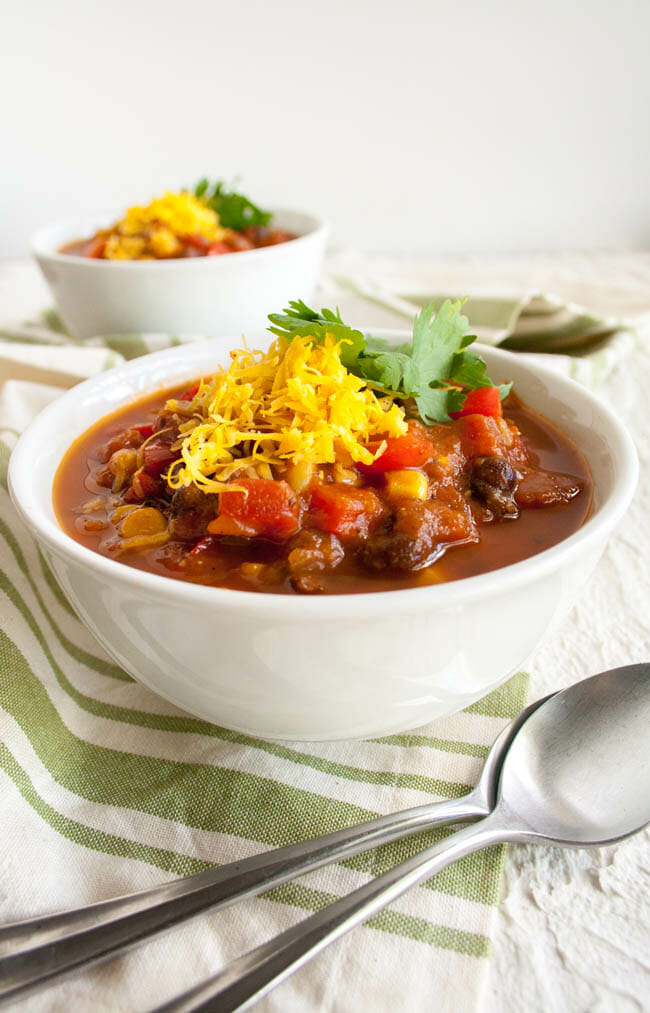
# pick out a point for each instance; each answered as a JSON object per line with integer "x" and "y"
{"x": 578, "y": 771}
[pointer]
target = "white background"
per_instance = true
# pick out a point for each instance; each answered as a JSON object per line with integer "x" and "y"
{"x": 416, "y": 127}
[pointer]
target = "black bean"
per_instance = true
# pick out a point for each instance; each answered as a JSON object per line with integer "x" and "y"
{"x": 493, "y": 481}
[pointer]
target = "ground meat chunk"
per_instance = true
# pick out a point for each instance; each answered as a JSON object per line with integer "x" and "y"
{"x": 190, "y": 512}
{"x": 493, "y": 481}
{"x": 418, "y": 533}
{"x": 167, "y": 422}
{"x": 544, "y": 488}
{"x": 314, "y": 551}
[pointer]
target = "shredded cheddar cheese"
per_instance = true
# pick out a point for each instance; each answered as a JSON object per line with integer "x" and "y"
{"x": 296, "y": 402}
{"x": 155, "y": 230}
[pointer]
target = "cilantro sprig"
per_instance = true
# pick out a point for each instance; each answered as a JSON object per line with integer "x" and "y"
{"x": 436, "y": 369}
{"x": 234, "y": 209}
{"x": 299, "y": 319}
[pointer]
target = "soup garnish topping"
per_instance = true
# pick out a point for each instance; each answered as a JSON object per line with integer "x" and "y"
{"x": 208, "y": 222}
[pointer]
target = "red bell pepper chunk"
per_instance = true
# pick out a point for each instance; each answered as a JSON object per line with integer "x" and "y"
{"x": 143, "y": 487}
{"x": 344, "y": 510}
{"x": 409, "y": 451}
{"x": 265, "y": 509}
{"x": 205, "y": 545}
{"x": 482, "y": 401}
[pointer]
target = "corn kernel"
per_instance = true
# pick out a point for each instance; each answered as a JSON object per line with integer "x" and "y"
{"x": 407, "y": 484}
{"x": 299, "y": 474}
{"x": 252, "y": 571}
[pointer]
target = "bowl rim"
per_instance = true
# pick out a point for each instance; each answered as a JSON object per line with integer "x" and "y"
{"x": 33, "y": 512}
{"x": 40, "y": 244}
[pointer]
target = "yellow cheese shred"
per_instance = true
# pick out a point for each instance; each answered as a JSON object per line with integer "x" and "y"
{"x": 295, "y": 402}
{"x": 156, "y": 229}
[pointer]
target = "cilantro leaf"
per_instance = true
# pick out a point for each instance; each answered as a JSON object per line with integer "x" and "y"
{"x": 234, "y": 209}
{"x": 394, "y": 371}
{"x": 438, "y": 338}
{"x": 298, "y": 319}
{"x": 374, "y": 344}
{"x": 469, "y": 370}
{"x": 427, "y": 370}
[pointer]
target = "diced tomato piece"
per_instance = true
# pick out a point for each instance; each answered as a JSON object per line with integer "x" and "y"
{"x": 215, "y": 250}
{"x": 96, "y": 247}
{"x": 278, "y": 236}
{"x": 344, "y": 510}
{"x": 238, "y": 243}
{"x": 157, "y": 456}
{"x": 482, "y": 401}
{"x": 480, "y": 436}
{"x": 265, "y": 509}
{"x": 149, "y": 485}
{"x": 190, "y": 393}
{"x": 197, "y": 242}
{"x": 260, "y": 235}
{"x": 145, "y": 430}
{"x": 409, "y": 451}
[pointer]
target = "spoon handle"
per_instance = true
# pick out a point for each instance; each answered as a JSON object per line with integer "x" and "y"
{"x": 34, "y": 951}
{"x": 253, "y": 975}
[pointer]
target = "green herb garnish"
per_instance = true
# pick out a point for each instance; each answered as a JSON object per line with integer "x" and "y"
{"x": 234, "y": 209}
{"x": 299, "y": 319}
{"x": 436, "y": 370}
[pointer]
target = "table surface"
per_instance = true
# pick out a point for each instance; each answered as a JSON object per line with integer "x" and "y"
{"x": 573, "y": 929}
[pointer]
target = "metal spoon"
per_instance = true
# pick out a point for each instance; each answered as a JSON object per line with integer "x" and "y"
{"x": 33, "y": 952}
{"x": 577, "y": 774}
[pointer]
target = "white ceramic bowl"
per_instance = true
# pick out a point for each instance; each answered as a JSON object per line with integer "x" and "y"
{"x": 197, "y": 295}
{"x": 327, "y": 667}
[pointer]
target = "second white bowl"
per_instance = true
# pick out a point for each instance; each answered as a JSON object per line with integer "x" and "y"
{"x": 199, "y": 295}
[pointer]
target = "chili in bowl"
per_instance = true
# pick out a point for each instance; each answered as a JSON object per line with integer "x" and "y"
{"x": 289, "y": 472}
{"x": 214, "y": 560}
{"x": 208, "y": 222}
